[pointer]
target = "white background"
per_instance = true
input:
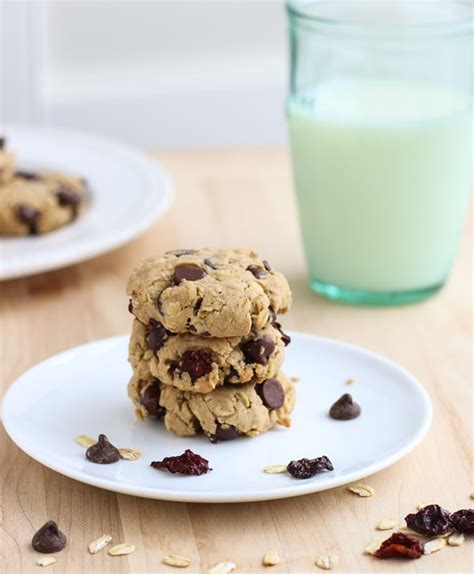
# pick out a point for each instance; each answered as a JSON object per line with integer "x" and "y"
{"x": 156, "y": 73}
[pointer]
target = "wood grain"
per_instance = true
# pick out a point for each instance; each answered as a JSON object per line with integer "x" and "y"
{"x": 231, "y": 198}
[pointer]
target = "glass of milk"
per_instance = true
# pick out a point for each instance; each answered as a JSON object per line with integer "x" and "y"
{"x": 381, "y": 135}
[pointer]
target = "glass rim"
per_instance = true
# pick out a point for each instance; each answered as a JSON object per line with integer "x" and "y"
{"x": 300, "y": 10}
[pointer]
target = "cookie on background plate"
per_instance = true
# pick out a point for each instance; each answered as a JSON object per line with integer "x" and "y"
{"x": 7, "y": 162}
{"x": 37, "y": 203}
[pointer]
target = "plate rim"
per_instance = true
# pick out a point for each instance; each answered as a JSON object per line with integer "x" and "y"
{"x": 307, "y": 487}
{"x": 154, "y": 171}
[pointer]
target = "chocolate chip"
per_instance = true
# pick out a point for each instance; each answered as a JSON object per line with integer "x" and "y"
{"x": 267, "y": 265}
{"x": 211, "y": 263}
{"x": 29, "y": 175}
{"x": 150, "y": 399}
{"x": 103, "y": 452}
{"x": 223, "y": 433}
{"x": 257, "y": 272}
{"x": 286, "y": 339}
{"x": 67, "y": 197}
{"x": 197, "y": 305}
{"x": 157, "y": 335}
{"x": 272, "y": 316}
{"x": 344, "y": 409}
{"x": 232, "y": 374}
{"x": 196, "y": 363}
{"x": 2, "y": 142}
{"x": 258, "y": 350}
{"x": 29, "y": 216}
{"x": 130, "y": 306}
{"x": 180, "y": 252}
{"x": 188, "y": 272}
{"x": 159, "y": 305}
{"x": 49, "y": 538}
{"x": 272, "y": 394}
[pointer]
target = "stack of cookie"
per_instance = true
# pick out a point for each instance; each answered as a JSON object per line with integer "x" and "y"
{"x": 206, "y": 347}
{"x": 33, "y": 203}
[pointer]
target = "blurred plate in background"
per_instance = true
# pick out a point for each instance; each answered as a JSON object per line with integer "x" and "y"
{"x": 128, "y": 192}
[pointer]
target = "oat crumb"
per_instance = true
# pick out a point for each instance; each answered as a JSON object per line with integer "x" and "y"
{"x": 361, "y": 489}
{"x": 387, "y": 524}
{"x": 327, "y": 562}
{"x": 45, "y": 561}
{"x": 271, "y": 558}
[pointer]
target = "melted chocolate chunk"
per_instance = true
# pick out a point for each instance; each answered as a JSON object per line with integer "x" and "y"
{"x": 211, "y": 263}
{"x": 272, "y": 394}
{"x": 67, "y": 197}
{"x": 286, "y": 339}
{"x": 197, "y": 305}
{"x": 267, "y": 265}
{"x": 180, "y": 252}
{"x": 29, "y": 175}
{"x": 29, "y": 216}
{"x": 272, "y": 316}
{"x": 223, "y": 433}
{"x": 150, "y": 399}
{"x": 232, "y": 373}
{"x": 157, "y": 335}
{"x": 258, "y": 350}
{"x": 257, "y": 272}
{"x": 188, "y": 272}
{"x": 159, "y": 305}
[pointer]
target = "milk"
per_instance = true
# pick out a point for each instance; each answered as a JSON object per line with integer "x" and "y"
{"x": 383, "y": 173}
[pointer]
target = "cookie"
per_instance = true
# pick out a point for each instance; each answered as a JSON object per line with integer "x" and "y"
{"x": 7, "y": 163}
{"x": 36, "y": 203}
{"x": 223, "y": 414}
{"x": 208, "y": 292}
{"x": 200, "y": 364}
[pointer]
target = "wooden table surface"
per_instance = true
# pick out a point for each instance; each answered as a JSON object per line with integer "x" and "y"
{"x": 230, "y": 198}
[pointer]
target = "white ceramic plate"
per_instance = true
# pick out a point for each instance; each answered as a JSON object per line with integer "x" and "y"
{"x": 128, "y": 192}
{"x": 83, "y": 391}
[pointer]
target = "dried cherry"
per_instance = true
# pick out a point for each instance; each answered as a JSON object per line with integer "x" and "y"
{"x": 187, "y": 463}
{"x": 196, "y": 363}
{"x": 432, "y": 520}
{"x": 463, "y": 520}
{"x": 308, "y": 467}
{"x": 400, "y": 546}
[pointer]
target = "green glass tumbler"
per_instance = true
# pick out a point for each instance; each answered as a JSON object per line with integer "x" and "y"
{"x": 381, "y": 135}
